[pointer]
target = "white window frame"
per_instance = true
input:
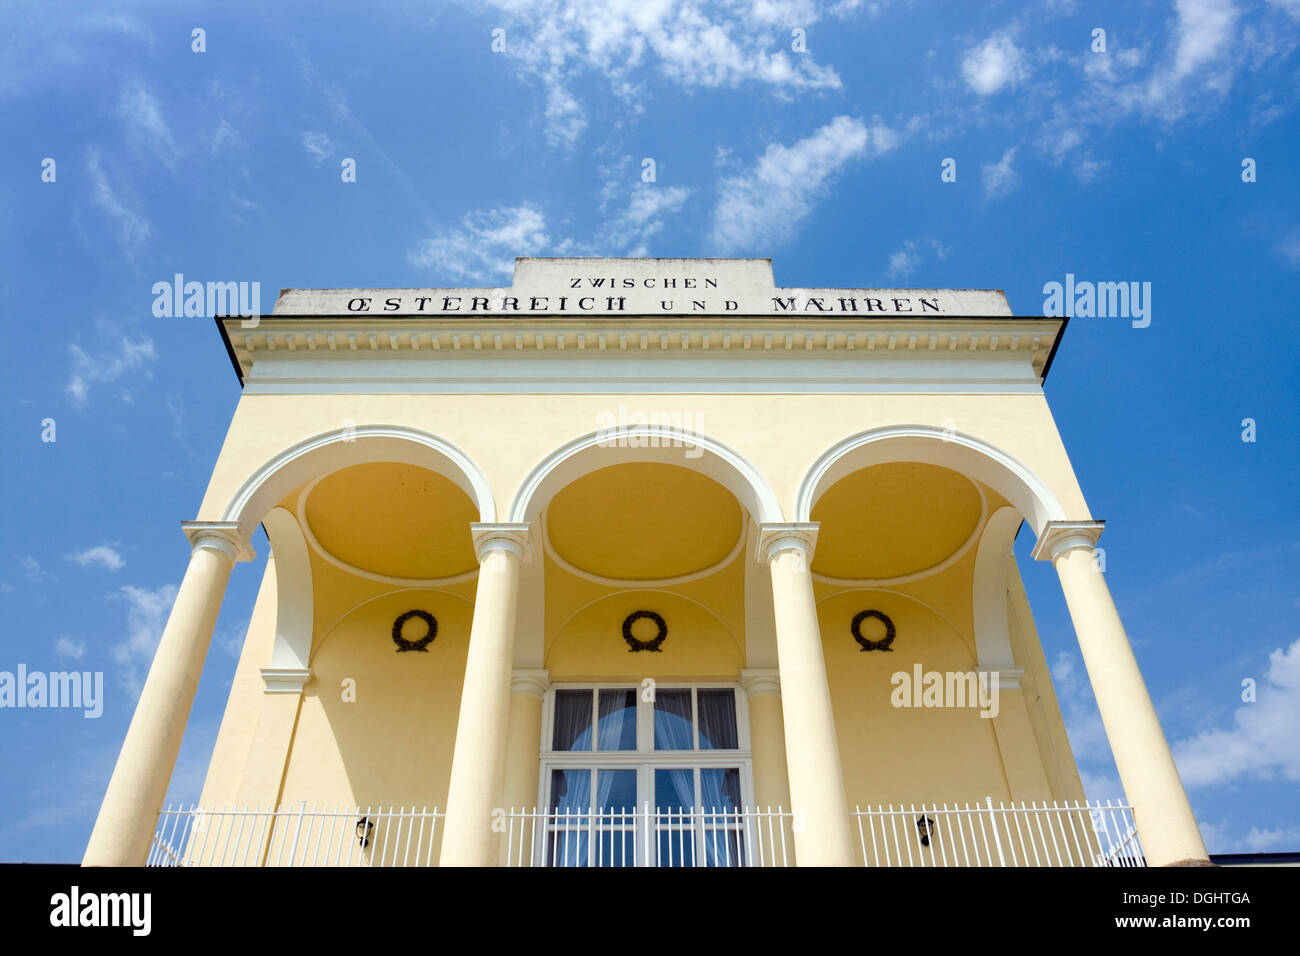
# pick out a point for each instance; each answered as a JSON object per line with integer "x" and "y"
{"x": 645, "y": 759}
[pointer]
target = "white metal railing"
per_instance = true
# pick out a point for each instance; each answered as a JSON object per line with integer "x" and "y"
{"x": 700, "y": 836}
{"x": 296, "y": 836}
{"x": 1028, "y": 834}
{"x": 1055, "y": 834}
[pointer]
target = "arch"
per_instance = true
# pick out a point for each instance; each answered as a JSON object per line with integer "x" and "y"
{"x": 962, "y": 453}
{"x": 354, "y": 445}
{"x": 661, "y": 444}
{"x": 293, "y": 591}
{"x": 989, "y": 590}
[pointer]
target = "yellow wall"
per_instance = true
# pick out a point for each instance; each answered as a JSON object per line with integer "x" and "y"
{"x": 394, "y": 744}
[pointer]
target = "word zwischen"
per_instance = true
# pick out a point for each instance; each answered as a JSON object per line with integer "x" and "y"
{"x": 1115, "y": 300}
{"x": 56, "y": 689}
{"x": 946, "y": 689}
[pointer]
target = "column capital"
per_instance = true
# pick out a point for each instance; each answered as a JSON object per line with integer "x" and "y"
{"x": 775, "y": 537}
{"x": 223, "y": 536}
{"x": 285, "y": 680}
{"x": 1058, "y": 537}
{"x": 534, "y": 683}
{"x": 757, "y": 682}
{"x": 500, "y": 537}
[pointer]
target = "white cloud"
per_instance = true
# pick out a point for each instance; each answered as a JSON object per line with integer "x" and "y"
{"x": 1200, "y": 59}
{"x": 146, "y": 616}
{"x": 628, "y": 232}
{"x": 104, "y": 367}
{"x": 765, "y": 206}
{"x": 32, "y": 569}
{"x": 727, "y": 45}
{"x": 999, "y": 178}
{"x": 995, "y": 64}
{"x": 143, "y": 115}
{"x": 101, "y": 556}
{"x": 485, "y": 246}
{"x": 1261, "y": 742}
{"x": 908, "y": 259}
{"x": 1289, "y": 248}
{"x": 318, "y": 146}
{"x": 67, "y": 647}
{"x": 133, "y": 227}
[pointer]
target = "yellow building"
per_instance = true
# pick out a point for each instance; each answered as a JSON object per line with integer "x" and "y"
{"x": 643, "y": 561}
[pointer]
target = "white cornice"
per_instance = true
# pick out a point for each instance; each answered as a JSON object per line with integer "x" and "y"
{"x": 293, "y": 340}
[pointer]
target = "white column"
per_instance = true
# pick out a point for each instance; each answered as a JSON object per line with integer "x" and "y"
{"x": 478, "y": 764}
{"x": 129, "y": 814}
{"x": 1146, "y": 767}
{"x": 822, "y": 835}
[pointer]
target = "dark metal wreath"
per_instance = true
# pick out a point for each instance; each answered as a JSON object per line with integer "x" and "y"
{"x": 867, "y": 645}
{"x": 652, "y": 645}
{"x": 423, "y": 643}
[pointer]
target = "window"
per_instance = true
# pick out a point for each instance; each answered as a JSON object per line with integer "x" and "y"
{"x": 628, "y": 772}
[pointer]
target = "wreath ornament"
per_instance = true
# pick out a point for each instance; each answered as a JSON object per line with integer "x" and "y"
{"x": 635, "y": 645}
{"x": 869, "y": 645}
{"x": 423, "y": 643}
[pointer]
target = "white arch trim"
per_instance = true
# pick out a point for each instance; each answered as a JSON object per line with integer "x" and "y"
{"x": 354, "y": 445}
{"x": 989, "y": 590}
{"x": 293, "y": 591}
{"x": 962, "y": 453}
{"x": 664, "y": 445}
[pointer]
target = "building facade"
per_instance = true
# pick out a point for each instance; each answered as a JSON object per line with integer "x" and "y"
{"x": 645, "y": 562}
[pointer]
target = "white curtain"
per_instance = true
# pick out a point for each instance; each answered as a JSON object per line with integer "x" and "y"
{"x": 673, "y": 729}
{"x": 617, "y": 718}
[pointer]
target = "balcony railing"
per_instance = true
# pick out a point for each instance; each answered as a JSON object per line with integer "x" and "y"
{"x": 1048, "y": 834}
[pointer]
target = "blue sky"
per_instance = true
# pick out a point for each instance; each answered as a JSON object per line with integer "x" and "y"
{"x": 1122, "y": 165}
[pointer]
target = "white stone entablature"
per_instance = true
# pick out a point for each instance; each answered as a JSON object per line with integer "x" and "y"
{"x": 628, "y": 325}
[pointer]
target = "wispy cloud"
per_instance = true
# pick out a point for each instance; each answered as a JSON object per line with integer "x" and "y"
{"x": 747, "y": 42}
{"x": 628, "y": 232}
{"x": 767, "y": 205}
{"x": 67, "y": 647}
{"x": 132, "y": 226}
{"x": 318, "y": 146}
{"x": 999, "y": 179}
{"x": 100, "y": 556}
{"x": 146, "y": 615}
{"x": 484, "y": 247}
{"x": 107, "y": 365}
{"x": 142, "y": 113}
{"x": 905, "y": 261}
